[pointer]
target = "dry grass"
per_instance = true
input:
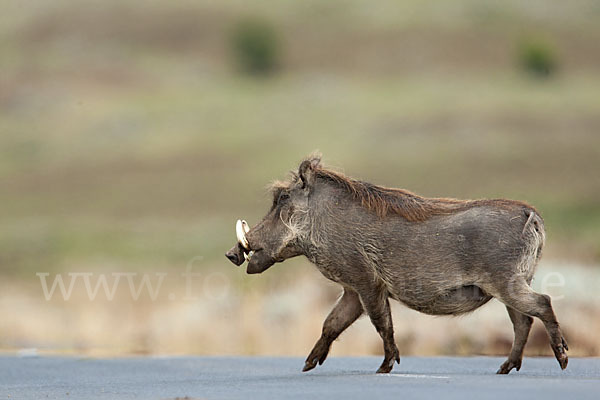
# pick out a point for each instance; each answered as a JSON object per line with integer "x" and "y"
{"x": 279, "y": 316}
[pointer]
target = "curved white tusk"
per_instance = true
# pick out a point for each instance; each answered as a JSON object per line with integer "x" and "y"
{"x": 241, "y": 228}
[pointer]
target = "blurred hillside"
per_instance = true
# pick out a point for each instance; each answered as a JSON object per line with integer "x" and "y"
{"x": 130, "y": 141}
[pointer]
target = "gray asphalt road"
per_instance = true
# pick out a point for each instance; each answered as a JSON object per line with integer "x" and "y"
{"x": 280, "y": 378}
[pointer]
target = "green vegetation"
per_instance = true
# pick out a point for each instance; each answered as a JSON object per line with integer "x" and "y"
{"x": 255, "y": 47}
{"x": 537, "y": 58}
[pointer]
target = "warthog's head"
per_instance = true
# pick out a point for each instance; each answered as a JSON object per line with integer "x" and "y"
{"x": 282, "y": 231}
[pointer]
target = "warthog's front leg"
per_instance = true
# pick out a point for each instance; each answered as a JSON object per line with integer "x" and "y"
{"x": 345, "y": 312}
{"x": 378, "y": 307}
{"x": 522, "y": 326}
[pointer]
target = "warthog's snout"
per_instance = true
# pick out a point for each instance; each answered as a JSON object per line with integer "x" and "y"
{"x": 236, "y": 254}
{"x": 258, "y": 259}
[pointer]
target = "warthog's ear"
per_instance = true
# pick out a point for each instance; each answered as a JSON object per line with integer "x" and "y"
{"x": 307, "y": 171}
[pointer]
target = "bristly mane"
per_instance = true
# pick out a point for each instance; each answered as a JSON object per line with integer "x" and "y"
{"x": 384, "y": 201}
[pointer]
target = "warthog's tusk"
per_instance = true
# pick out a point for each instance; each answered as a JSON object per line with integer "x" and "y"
{"x": 241, "y": 228}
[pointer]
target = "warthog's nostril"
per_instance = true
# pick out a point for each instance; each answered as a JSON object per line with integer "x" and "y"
{"x": 232, "y": 257}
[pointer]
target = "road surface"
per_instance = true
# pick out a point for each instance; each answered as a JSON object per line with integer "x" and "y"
{"x": 280, "y": 378}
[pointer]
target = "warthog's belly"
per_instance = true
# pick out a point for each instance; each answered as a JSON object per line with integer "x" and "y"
{"x": 455, "y": 301}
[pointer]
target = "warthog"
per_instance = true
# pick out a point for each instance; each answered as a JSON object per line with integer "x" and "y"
{"x": 438, "y": 256}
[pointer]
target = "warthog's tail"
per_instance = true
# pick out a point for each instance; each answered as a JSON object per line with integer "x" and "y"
{"x": 534, "y": 235}
{"x": 531, "y": 215}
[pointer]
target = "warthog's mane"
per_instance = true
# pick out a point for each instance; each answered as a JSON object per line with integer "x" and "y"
{"x": 384, "y": 201}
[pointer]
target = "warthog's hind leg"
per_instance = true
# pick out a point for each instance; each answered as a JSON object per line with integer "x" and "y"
{"x": 345, "y": 312}
{"x": 522, "y": 326}
{"x": 520, "y": 296}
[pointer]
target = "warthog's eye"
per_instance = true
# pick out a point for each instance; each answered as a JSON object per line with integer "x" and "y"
{"x": 283, "y": 196}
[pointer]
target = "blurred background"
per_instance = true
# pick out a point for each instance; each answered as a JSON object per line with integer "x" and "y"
{"x": 134, "y": 133}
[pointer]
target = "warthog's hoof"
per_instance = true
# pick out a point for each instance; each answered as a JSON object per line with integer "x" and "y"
{"x": 508, "y": 366}
{"x": 560, "y": 352}
{"x": 388, "y": 363}
{"x": 310, "y": 364}
{"x": 384, "y": 369}
{"x": 563, "y": 361}
{"x": 317, "y": 355}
